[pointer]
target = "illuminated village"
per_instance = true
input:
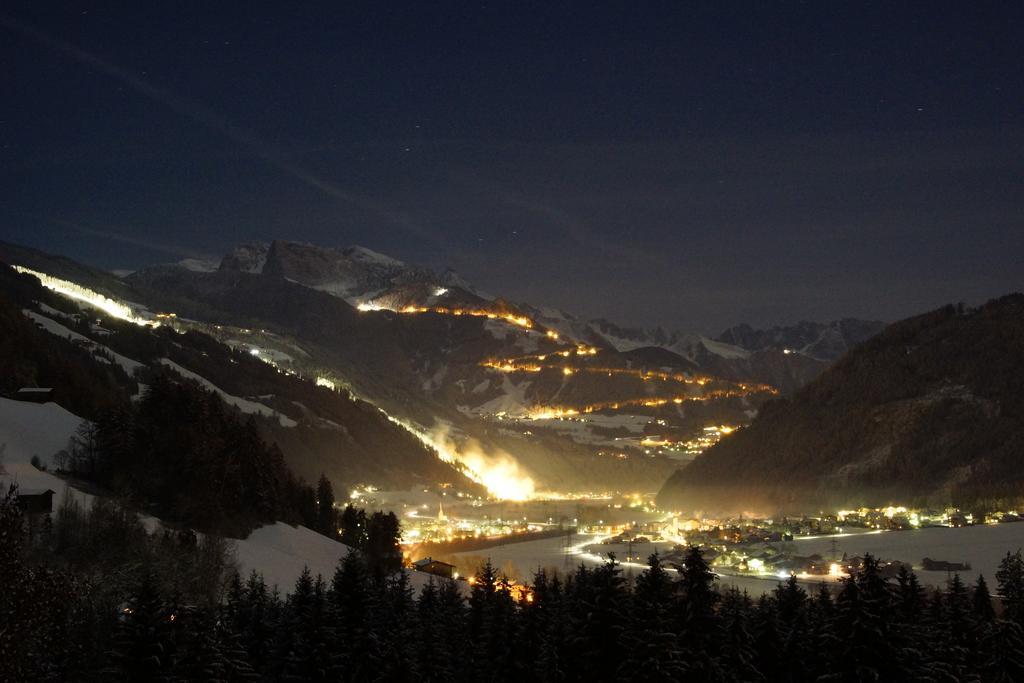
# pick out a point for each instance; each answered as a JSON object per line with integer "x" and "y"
{"x": 630, "y": 528}
{"x": 446, "y": 522}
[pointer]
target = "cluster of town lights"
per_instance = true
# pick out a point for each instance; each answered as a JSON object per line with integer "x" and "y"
{"x": 539, "y": 362}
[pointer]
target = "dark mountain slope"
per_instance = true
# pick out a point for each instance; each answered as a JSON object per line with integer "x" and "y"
{"x": 323, "y": 431}
{"x": 932, "y": 409}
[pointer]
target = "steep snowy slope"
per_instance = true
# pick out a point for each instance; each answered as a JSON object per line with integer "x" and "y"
{"x": 278, "y": 551}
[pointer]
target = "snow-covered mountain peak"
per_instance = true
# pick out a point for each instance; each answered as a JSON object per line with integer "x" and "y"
{"x": 248, "y": 257}
{"x": 369, "y": 256}
{"x": 200, "y": 265}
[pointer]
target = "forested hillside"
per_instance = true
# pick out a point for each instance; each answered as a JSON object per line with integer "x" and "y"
{"x": 318, "y": 430}
{"x": 929, "y": 411}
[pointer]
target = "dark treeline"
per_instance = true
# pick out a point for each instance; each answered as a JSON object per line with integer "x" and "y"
{"x": 188, "y": 458}
{"x": 376, "y": 535}
{"x": 62, "y": 619}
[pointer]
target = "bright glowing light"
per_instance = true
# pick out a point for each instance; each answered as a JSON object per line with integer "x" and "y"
{"x": 254, "y": 352}
{"x": 324, "y": 382}
{"x": 891, "y": 511}
{"x": 755, "y": 565}
{"x": 369, "y": 307}
{"x": 551, "y": 413}
{"x": 521, "y": 321}
{"x": 498, "y": 472}
{"x": 115, "y": 309}
{"x": 440, "y": 291}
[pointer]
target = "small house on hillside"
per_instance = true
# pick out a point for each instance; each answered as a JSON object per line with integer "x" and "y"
{"x": 36, "y": 501}
{"x": 431, "y": 566}
{"x": 34, "y": 394}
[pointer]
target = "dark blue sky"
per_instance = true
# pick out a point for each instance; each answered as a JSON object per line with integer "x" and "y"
{"x": 686, "y": 164}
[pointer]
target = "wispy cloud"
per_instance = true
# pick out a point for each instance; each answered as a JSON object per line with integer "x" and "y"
{"x": 128, "y": 239}
{"x": 247, "y": 140}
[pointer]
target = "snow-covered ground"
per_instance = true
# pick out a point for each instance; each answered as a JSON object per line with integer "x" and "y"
{"x": 982, "y": 546}
{"x": 243, "y": 404}
{"x": 34, "y": 429}
{"x": 511, "y": 401}
{"x": 200, "y": 265}
{"x": 55, "y": 328}
{"x": 724, "y": 350}
{"x": 278, "y": 551}
{"x": 31, "y": 429}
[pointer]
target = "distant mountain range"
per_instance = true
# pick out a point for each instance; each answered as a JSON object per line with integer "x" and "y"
{"x": 823, "y": 341}
{"x": 930, "y": 411}
{"x": 574, "y": 404}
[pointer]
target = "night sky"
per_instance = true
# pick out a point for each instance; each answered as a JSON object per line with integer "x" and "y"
{"x": 692, "y": 165}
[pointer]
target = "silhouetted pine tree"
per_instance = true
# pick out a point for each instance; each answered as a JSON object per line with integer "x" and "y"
{"x": 791, "y": 601}
{"x": 44, "y": 622}
{"x": 599, "y": 619}
{"x": 545, "y": 629}
{"x": 433, "y": 660}
{"x": 354, "y": 604}
{"x": 767, "y": 640}
{"x": 490, "y": 613}
{"x": 981, "y": 602}
{"x": 236, "y": 660}
{"x": 326, "y": 515}
{"x": 738, "y": 653}
{"x": 699, "y": 626}
{"x": 1010, "y": 578}
{"x": 652, "y": 647}
{"x": 396, "y": 630}
{"x": 140, "y": 647}
{"x": 863, "y": 608}
{"x": 910, "y": 597}
{"x": 256, "y": 620}
{"x": 202, "y": 657}
{"x": 1004, "y": 648}
{"x": 824, "y": 643}
{"x": 955, "y": 629}
{"x": 353, "y": 527}
{"x": 301, "y": 651}
{"x": 383, "y": 554}
{"x": 451, "y": 624}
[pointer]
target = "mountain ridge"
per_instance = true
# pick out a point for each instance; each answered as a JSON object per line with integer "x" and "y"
{"x": 930, "y": 410}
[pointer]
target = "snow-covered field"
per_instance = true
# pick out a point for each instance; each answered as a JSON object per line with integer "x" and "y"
{"x": 982, "y": 546}
{"x": 27, "y": 429}
{"x": 278, "y": 551}
{"x": 30, "y": 429}
{"x": 243, "y": 404}
{"x": 511, "y": 401}
{"x": 54, "y": 327}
